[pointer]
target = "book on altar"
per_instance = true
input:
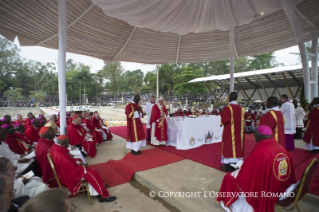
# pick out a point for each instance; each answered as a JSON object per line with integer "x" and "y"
{"x": 26, "y": 176}
{"x": 29, "y": 156}
{"x": 238, "y": 164}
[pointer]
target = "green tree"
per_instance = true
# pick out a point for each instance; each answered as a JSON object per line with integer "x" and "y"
{"x": 14, "y": 95}
{"x": 112, "y": 72}
{"x": 38, "y": 96}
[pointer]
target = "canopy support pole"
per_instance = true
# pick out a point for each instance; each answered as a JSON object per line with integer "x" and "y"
{"x": 260, "y": 95}
{"x": 231, "y": 72}
{"x": 285, "y": 79}
{"x": 219, "y": 97}
{"x": 314, "y": 68}
{"x": 262, "y": 86}
{"x": 209, "y": 89}
{"x": 250, "y": 97}
{"x": 157, "y": 89}
{"x": 61, "y": 62}
{"x": 297, "y": 91}
{"x": 272, "y": 94}
{"x": 305, "y": 70}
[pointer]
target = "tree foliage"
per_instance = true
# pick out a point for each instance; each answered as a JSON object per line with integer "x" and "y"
{"x": 14, "y": 94}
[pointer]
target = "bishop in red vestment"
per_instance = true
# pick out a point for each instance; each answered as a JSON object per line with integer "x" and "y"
{"x": 266, "y": 172}
{"x": 135, "y": 131}
{"x": 158, "y": 123}
{"x": 28, "y": 124}
{"x": 33, "y": 131}
{"x": 274, "y": 119}
{"x": 233, "y": 139}
{"x": 98, "y": 123}
{"x": 41, "y": 150}
{"x": 79, "y": 137}
{"x": 311, "y": 136}
{"x": 70, "y": 171}
{"x": 250, "y": 118}
{"x": 97, "y": 135}
{"x": 15, "y": 144}
{"x": 19, "y": 120}
{"x": 20, "y": 134}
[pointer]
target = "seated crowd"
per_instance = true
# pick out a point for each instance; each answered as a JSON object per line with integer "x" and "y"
{"x": 25, "y": 170}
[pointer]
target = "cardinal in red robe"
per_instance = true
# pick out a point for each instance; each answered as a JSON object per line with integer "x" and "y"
{"x": 97, "y": 135}
{"x": 311, "y": 136}
{"x": 267, "y": 172}
{"x": 233, "y": 140}
{"x": 79, "y": 137}
{"x": 71, "y": 171}
{"x": 33, "y": 131}
{"x": 98, "y": 123}
{"x": 135, "y": 131}
{"x": 274, "y": 119}
{"x": 158, "y": 123}
{"x": 41, "y": 150}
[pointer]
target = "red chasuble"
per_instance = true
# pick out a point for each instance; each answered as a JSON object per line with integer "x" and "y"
{"x": 16, "y": 144}
{"x": 275, "y": 120}
{"x": 75, "y": 135}
{"x": 312, "y": 129}
{"x": 41, "y": 151}
{"x": 161, "y": 126}
{"x": 233, "y": 134}
{"x": 32, "y": 134}
{"x": 135, "y": 129}
{"x": 251, "y": 117}
{"x": 267, "y": 169}
{"x": 24, "y": 138}
{"x": 70, "y": 173}
{"x": 97, "y": 135}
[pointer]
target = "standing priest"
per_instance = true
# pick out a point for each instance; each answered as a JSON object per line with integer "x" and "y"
{"x": 135, "y": 130}
{"x": 148, "y": 111}
{"x": 288, "y": 111}
{"x": 232, "y": 118}
{"x": 159, "y": 124}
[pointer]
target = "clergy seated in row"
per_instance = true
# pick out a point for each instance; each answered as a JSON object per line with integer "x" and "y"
{"x": 45, "y": 142}
{"x": 274, "y": 119}
{"x": 33, "y": 131}
{"x": 52, "y": 200}
{"x": 19, "y": 120}
{"x": 30, "y": 117}
{"x": 8, "y": 120}
{"x": 22, "y": 165}
{"x": 20, "y": 134}
{"x": 98, "y": 122}
{"x": 15, "y": 143}
{"x": 90, "y": 127}
{"x": 71, "y": 172}
{"x": 80, "y": 137}
{"x": 250, "y": 121}
{"x": 267, "y": 171}
{"x": 179, "y": 112}
{"x": 158, "y": 123}
{"x": 288, "y": 111}
{"x": 311, "y": 136}
{"x": 23, "y": 186}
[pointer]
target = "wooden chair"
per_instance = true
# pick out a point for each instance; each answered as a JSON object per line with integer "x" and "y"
{"x": 301, "y": 190}
{"x": 84, "y": 185}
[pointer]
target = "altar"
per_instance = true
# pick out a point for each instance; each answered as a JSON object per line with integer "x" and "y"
{"x": 188, "y": 133}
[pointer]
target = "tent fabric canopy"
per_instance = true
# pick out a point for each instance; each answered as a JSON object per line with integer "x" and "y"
{"x": 92, "y": 33}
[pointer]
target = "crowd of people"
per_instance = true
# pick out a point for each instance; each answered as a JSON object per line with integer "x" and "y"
{"x": 26, "y": 146}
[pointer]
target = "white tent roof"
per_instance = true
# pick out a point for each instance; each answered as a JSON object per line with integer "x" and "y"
{"x": 159, "y": 31}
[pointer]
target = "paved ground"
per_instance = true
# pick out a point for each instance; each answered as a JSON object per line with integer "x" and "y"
{"x": 183, "y": 176}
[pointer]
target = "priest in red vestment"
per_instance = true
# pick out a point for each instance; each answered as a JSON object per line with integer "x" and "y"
{"x": 250, "y": 121}
{"x": 20, "y": 134}
{"x": 28, "y": 123}
{"x": 267, "y": 172}
{"x": 97, "y": 121}
{"x": 311, "y": 136}
{"x": 33, "y": 132}
{"x": 19, "y": 120}
{"x": 233, "y": 140}
{"x": 97, "y": 135}
{"x": 79, "y": 137}
{"x": 274, "y": 119}
{"x": 158, "y": 123}
{"x": 41, "y": 150}
{"x": 135, "y": 130}
{"x": 179, "y": 112}
{"x": 15, "y": 144}
{"x": 71, "y": 171}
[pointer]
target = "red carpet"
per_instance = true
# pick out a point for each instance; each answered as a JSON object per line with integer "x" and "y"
{"x": 116, "y": 172}
{"x": 122, "y": 131}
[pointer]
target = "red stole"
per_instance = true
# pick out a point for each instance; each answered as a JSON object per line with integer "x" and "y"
{"x": 41, "y": 151}
{"x": 267, "y": 169}
{"x": 16, "y": 144}
{"x": 135, "y": 129}
{"x": 32, "y": 134}
{"x": 233, "y": 134}
{"x": 312, "y": 127}
{"x": 275, "y": 120}
{"x": 161, "y": 126}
